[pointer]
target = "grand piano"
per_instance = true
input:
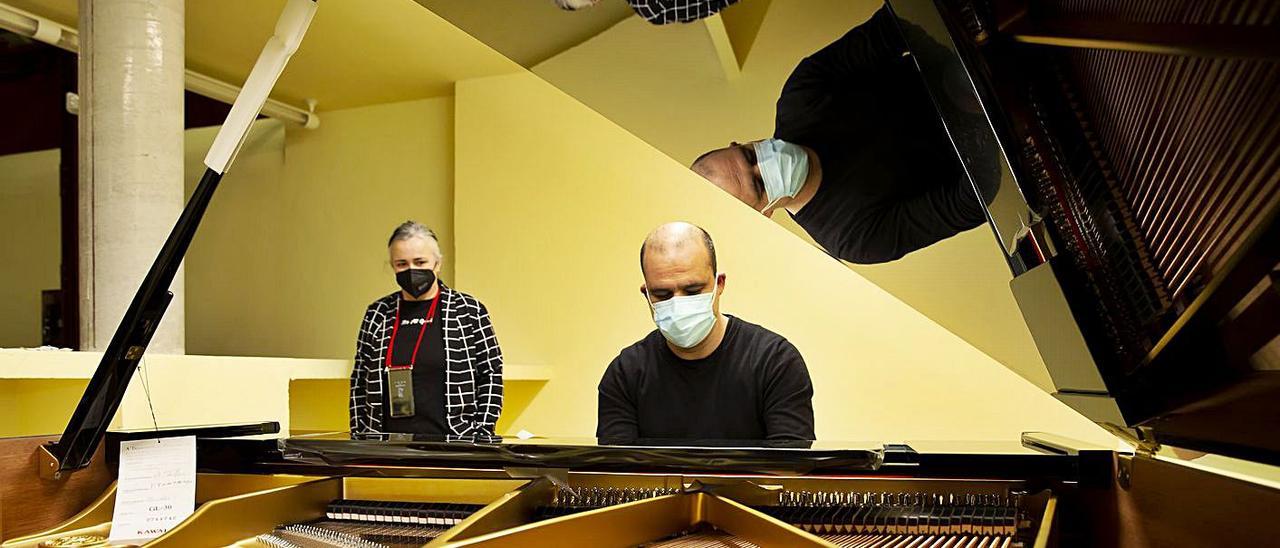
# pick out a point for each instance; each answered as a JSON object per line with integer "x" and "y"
{"x": 1135, "y": 148}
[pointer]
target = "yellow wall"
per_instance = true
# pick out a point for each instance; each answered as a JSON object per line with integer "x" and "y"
{"x": 37, "y": 407}
{"x": 39, "y": 390}
{"x": 665, "y": 85}
{"x": 294, "y": 245}
{"x": 551, "y": 204}
{"x": 30, "y": 242}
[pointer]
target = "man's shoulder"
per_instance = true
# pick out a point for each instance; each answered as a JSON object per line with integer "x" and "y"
{"x": 757, "y": 334}
{"x": 638, "y": 354}
{"x": 773, "y": 353}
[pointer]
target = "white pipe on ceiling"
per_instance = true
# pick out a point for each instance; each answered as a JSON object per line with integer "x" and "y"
{"x": 50, "y": 32}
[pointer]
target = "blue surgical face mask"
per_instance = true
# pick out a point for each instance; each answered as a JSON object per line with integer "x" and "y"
{"x": 686, "y": 320}
{"x": 783, "y": 166}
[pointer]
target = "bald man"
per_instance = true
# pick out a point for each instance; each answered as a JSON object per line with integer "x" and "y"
{"x": 701, "y": 374}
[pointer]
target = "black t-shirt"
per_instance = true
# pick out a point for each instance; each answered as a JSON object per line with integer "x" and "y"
{"x": 428, "y": 371}
{"x": 891, "y": 180}
{"x": 754, "y": 386}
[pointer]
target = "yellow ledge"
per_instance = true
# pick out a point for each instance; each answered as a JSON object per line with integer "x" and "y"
{"x": 33, "y": 364}
{"x": 41, "y": 389}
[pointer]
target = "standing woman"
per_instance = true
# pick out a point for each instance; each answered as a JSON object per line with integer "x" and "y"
{"x": 427, "y": 361}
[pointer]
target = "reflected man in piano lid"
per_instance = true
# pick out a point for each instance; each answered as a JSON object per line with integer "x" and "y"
{"x": 427, "y": 361}
{"x": 859, "y": 157}
{"x": 701, "y": 374}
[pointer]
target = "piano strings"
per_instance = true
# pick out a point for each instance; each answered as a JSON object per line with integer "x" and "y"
{"x": 915, "y": 520}
{"x": 566, "y": 501}
{"x": 371, "y": 524}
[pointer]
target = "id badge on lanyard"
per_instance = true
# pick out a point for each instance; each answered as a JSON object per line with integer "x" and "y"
{"x": 400, "y": 394}
{"x": 400, "y": 377}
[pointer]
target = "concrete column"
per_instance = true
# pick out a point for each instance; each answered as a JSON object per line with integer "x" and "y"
{"x": 131, "y": 159}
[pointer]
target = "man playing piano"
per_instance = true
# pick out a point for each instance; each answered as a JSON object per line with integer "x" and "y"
{"x": 701, "y": 374}
{"x": 859, "y": 158}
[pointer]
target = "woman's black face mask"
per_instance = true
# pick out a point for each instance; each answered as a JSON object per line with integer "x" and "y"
{"x": 416, "y": 281}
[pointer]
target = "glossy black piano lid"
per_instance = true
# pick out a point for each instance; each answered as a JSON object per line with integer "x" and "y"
{"x": 1144, "y": 134}
{"x": 106, "y": 389}
{"x": 741, "y": 456}
{"x": 339, "y": 454}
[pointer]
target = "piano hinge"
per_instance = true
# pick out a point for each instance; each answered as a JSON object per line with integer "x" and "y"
{"x": 1144, "y": 444}
{"x": 1142, "y": 438}
{"x": 47, "y": 464}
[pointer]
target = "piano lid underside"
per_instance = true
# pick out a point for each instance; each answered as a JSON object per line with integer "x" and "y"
{"x": 1192, "y": 141}
{"x": 1153, "y": 170}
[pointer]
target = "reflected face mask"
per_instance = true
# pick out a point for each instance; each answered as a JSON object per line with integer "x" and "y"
{"x": 783, "y": 166}
{"x": 688, "y": 319}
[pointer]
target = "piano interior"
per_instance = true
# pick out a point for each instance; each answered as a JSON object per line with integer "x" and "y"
{"x": 600, "y": 510}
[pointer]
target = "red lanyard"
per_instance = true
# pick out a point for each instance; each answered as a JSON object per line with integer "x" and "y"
{"x": 431, "y": 315}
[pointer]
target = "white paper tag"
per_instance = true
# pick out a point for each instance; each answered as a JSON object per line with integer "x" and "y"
{"x": 156, "y": 489}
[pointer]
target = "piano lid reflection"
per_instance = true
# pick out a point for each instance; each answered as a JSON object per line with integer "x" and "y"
{"x": 1138, "y": 200}
{"x": 858, "y": 158}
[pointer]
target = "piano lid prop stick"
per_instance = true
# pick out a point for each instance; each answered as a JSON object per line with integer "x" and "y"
{"x": 290, "y": 28}
{"x": 106, "y": 389}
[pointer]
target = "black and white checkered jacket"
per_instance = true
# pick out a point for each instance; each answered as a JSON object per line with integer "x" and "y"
{"x": 661, "y": 12}
{"x": 473, "y": 379}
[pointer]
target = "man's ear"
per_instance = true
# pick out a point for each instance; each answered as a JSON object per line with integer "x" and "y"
{"x": 644, "y": 291}
{"x": 720, "y": 281}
